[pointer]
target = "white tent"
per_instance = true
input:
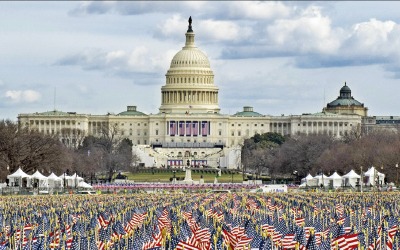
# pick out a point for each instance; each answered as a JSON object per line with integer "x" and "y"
{"x": 54, "y": 181}
{"x": 15, "y": 179}
{"x": 307, "y": 181}
{"x": 72, "y": 181}
{"x": 83, "y": 184}
{"x": 41, "y": 179}
{"x": 322, "y": 179}
{"x": 374, "y": 176}
{"x": 351, "y": 178}
{"x": 335, "y": 180}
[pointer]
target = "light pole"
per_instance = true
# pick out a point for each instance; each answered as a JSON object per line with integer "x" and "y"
{"x": 397, "y": 173}
{"x": 361, "y": 180}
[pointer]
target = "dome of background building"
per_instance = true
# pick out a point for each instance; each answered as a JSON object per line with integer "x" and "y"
{"x": 248, "y": 112}
{"x": 346, "y": 104}
{"x": 131, "y": 110}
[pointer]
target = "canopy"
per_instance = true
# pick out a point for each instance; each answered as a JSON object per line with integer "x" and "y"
{"x": 351, "y": 178}
{"x": 335, "y": 176}
{"x": 322, "y": 179}
{"x": 18, "y": 174}
{"x": 351, "y": 174}
{"x": 374, "y": 176}
{"x": 83, "y": 184}
{"x": 75, "y": 176}
{"x": 335, "y": 180}
{"x": 54, "y": 181}
{"x": 37, "y": 175}
{"x": 308, "y": 177}
{"x": 308, "y": 180}
{"x": 42, "y": 180}
{"x": 54, "y": 177}
{"x": 15, "y": 178}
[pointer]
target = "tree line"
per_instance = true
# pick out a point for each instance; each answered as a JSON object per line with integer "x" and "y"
{"x": 31, "y": 150}
{"x": 300, "y": 155}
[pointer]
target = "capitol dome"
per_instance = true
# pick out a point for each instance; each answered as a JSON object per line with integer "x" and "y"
{"x": 190, "y": 58}
{"x": 189, "y": 86}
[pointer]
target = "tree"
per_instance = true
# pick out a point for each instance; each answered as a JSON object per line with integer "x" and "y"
{"x": 112, "y": 152}
{"x": 29, "y": 150}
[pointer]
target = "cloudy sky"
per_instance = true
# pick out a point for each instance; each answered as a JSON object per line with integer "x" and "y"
{"x": 279, "y": 57}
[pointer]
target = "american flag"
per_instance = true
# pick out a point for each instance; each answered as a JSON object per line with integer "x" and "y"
{"x": 195, "y": 126}
{"x": 172, "y": 128}
{"x": 204, "y": 128}
{"x": 188, "y": 129}
{"x": 181, "y": 128}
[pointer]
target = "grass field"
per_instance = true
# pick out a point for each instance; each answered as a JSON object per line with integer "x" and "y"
{"x": 165, "y": 177}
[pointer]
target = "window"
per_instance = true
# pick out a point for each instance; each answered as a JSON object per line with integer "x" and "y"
{"x": 233, "y": 133}
{"x": 220, "y": 132}
{"x": 138, "y": 124}
{"x": 138, "y": 141}
{"x": 156, "y": 131}
{"x": 138, "y": 132}
{"x": 239, "y": 133}
{"x": 233, "y": 125}
{"x": 239, "y": 125}
{"x": 156, "y": 123}
{"x": 255, "y": 125}
{"x": 262, "y": 125}
{"x": 145, "y": 141}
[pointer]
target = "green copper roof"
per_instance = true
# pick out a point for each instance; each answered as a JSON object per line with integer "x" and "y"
{"x": 131, "y": 110}
{"x": 345, "y": 102}
{"x": 345, "y": 99}
{"x": 134, "y": 113}
{"x": 248, "y": 112}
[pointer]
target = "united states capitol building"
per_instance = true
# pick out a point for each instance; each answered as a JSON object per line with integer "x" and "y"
{"x": 190, "y": 129}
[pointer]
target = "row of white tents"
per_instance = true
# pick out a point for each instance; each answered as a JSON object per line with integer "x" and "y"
{"x": 52, "y": 181}
{"x": 370, "y": 178}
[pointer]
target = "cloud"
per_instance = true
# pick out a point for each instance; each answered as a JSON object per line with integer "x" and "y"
{"x": 256, "y": 10}
{"x": 135, "y": 7}
{"x": 139, "y": 61}
{"x": 18, "y": 96}
{"x": 210, "y": 29}
{"x": 311, "y": 32}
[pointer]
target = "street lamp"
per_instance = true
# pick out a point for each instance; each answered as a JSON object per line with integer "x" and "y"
{"x": 295, "y": 173}
{"x": 397, "y": 172}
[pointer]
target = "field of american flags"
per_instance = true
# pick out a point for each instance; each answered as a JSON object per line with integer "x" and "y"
{"x": 201, "y": 221}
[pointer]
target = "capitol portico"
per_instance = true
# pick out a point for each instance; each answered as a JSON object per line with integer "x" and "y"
{"x": 189, "y": 127}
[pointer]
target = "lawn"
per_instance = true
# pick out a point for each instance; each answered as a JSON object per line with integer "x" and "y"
{"x": 165, "y": 177}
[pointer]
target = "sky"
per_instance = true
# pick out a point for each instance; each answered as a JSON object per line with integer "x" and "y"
{"x": 278, "y": 57}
